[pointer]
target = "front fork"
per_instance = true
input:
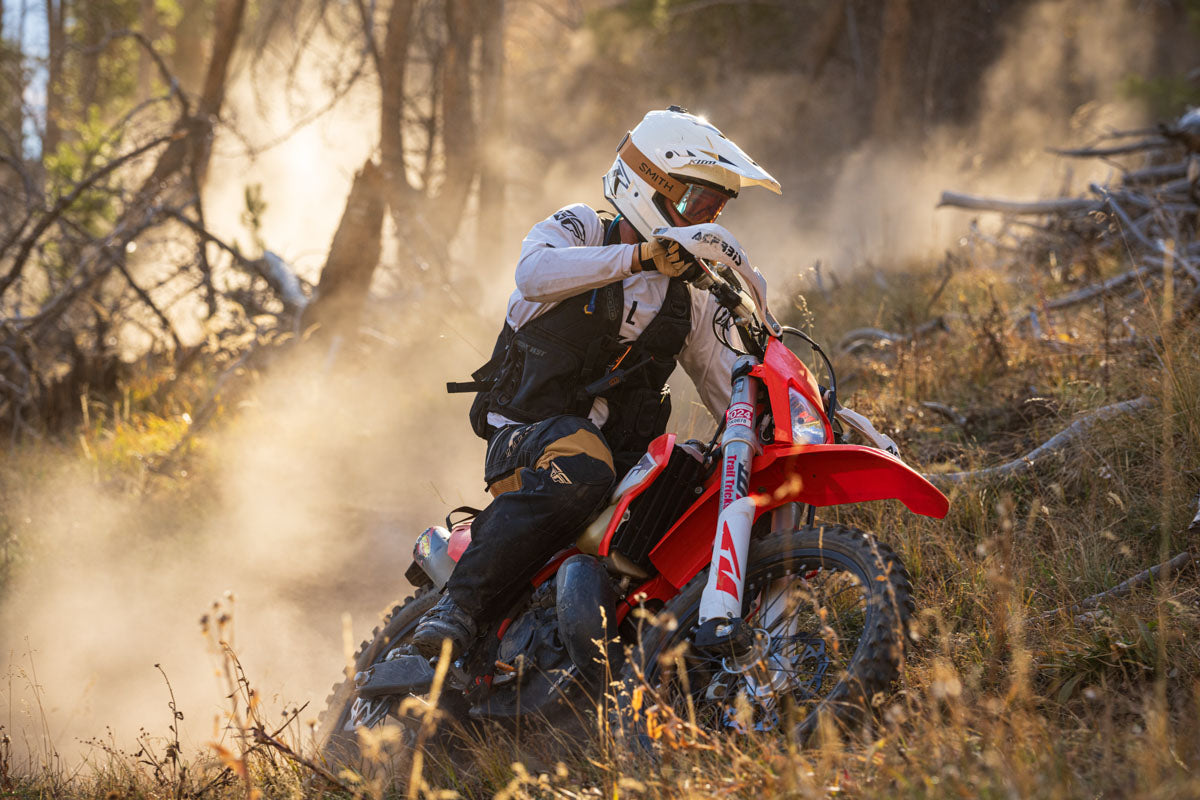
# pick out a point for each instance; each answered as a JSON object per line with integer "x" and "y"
{"x": 721, "y": 603}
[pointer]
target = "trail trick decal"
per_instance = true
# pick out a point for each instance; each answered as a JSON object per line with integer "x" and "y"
{"x": 424, "y": 546}
{"x": 729, "y": 566}
{"x": 573, "y": 224}
{"x": 735, "y": 480}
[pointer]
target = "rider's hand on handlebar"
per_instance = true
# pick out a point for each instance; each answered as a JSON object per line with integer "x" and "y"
{"x": 665, "y": 256}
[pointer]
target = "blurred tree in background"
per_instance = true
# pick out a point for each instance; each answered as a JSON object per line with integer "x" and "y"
{"x": 109, "y": 110}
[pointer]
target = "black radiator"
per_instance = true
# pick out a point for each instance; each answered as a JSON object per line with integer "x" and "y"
{"x": 654, "y": 511}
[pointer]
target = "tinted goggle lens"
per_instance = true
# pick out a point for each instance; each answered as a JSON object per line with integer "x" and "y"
{"x": 701, "y": 204}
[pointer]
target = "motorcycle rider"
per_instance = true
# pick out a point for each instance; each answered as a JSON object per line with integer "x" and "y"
{"x": 576, "y": 386}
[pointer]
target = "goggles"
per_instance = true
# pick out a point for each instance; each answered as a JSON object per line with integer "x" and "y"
{"x": 700, "y": 203}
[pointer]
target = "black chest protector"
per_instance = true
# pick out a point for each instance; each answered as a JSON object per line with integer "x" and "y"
{"x": 560, "y": 362}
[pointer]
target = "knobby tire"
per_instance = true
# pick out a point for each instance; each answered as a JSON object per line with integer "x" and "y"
{"x": 336, "y": 745}
{"x": 877, "y": 657}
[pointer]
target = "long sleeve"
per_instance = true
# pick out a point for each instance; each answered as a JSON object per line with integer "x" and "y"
{"x": 706, "y": 361}
{"x": 562, "y": 256}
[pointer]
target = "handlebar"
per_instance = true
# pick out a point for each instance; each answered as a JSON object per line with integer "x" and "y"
{"x": 723, "y": 285}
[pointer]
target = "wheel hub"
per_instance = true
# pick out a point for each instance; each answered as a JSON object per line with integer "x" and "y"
{"x": 764, "y": 676}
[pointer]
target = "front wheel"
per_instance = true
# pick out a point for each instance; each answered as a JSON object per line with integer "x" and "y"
{"x": 830, "y": 607}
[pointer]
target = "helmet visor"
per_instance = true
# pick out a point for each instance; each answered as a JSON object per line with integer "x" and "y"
{"x": 701, "y": 204}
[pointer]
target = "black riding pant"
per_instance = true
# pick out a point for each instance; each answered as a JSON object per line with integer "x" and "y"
{"x": 550, "y": 479}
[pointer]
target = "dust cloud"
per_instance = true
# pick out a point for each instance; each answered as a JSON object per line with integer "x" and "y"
{"x": 302, "y": 502}
{"x": 1058, "y": 83}
{"x": 304, "y": 506}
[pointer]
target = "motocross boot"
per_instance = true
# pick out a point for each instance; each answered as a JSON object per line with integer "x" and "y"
{"x": 446, "y": 620}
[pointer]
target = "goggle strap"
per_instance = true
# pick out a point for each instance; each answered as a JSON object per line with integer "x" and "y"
{"x": 663, "y": 183}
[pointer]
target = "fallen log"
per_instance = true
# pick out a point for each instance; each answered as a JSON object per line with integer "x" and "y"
{"x": 1155, "y": 174}
{"x": 855, "y": 340}
{"x": 946, "y": 411}
{"x": 1097, "y": 289}
{"x": 1065, "y": 205}
{"x": 859, "y": 337}
{"x": 1055, "y": 444}
{"x": 283, "y": 281}
{"x": 1155, "y": 246}
{"x": 1115, "y": 150}
{"x": 1175, "y": 566}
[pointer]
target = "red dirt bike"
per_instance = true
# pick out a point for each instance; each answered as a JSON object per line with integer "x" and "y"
{"x": 788, "y": 618}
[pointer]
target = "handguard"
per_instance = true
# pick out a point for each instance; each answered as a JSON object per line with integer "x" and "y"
{"x": 864, "y": 427}
{"x": 712, "y": 242}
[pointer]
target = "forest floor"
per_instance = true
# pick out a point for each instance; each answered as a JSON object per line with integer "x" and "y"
{"x": 1007, "y": 692}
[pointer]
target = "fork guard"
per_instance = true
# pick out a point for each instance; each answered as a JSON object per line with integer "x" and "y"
{"x": 819, "y": 475}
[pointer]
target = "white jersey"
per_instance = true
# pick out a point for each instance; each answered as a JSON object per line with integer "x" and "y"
{"x": 565, "y": 255}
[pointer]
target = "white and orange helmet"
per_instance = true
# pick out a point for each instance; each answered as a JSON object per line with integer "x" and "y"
{"x": 673, "y": 157}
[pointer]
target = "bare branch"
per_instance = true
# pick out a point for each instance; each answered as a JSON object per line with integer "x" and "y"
{"x": 117, "y": 260}
{"x": 1173, "y": 567}
{"x": 947, "y": 412}
{"x": 282, "y": 280}
{"x": 1115, "y": 150}
{"x": 368, "y": 23}
{"x": 1061, "y": 206}
{"x": 65, "y": 202}
{"x": 148, "y": 47}
{"x": 859, "y": 338}
{"x": 1097, "y": 289}
{"x": 1051, "y": 446}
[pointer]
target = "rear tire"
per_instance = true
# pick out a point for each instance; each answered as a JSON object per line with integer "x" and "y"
{"x": 800, "y": 585}
{"x": 337, "y": 745}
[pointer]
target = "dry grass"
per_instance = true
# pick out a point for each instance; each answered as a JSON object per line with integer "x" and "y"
{"x": 995, "y": 702}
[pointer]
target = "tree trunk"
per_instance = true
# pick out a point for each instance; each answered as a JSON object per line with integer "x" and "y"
{"x": 459, "y": 145}
{"x": 188, "y": 60}
{"x": 893, "y": 52}
{"x": 56, "y": 43}
{"x": 150, "y": 29}
{"x": 825, "y": 35}
{"x": 91, "y": 19}
{"x": 194, "y": 145}
{"x": 353, "y": 255}
{"x": 492, "y": 120}
{"x": 12, "y": 87}
{"x": 392, "y": 63}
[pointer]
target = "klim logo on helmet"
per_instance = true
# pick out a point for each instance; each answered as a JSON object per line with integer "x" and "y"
{"x": 656, "y": 177}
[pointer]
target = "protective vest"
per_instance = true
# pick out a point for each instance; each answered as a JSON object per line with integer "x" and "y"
{"x": 560, "y": 362}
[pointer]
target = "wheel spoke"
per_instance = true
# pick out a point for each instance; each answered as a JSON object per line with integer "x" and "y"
{"x": 811, "y": 621}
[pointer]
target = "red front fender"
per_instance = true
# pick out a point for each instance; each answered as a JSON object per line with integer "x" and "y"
{"x": 820, "y": 475}
{"x": 834, "y": 474}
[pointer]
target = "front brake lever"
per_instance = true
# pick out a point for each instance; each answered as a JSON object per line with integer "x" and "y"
{"x": 729, "y": 295}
